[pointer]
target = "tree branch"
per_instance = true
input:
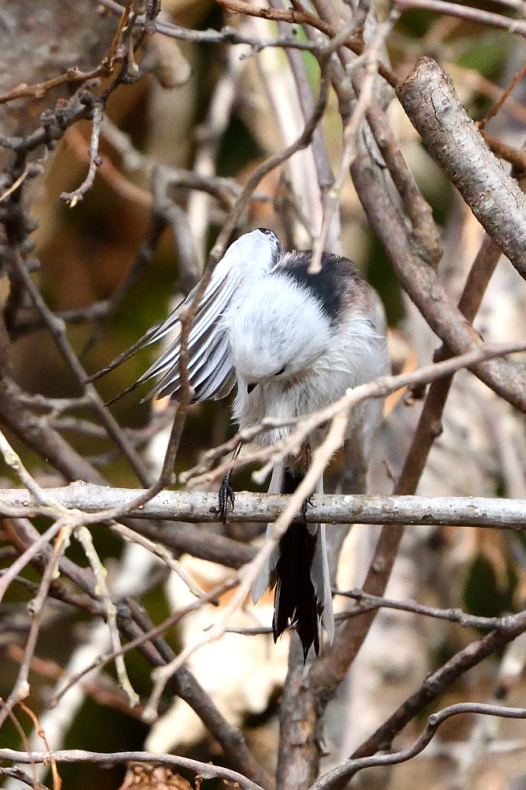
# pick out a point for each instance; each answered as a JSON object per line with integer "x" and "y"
{"x": 201, "y": 507}
{"x": 433, "y": 107}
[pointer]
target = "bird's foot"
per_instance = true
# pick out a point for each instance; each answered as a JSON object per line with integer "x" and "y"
{"x": 226, "y": 498}
{"x": 308, "y": 502}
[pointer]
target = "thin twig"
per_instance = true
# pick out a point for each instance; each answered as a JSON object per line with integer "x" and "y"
{"x": 462, "y": 11}
{"x": 83, "y": 535}
{"x": 349, "y": 768}
{"x": 105, "y": 759}
{"x": 94, "y": 159}
{"x": 365, "y": 600}
{"x": 176, "y": 617}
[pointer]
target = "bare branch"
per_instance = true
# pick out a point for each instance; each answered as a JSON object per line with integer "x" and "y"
{"x": 349, "y": 768}
{"x": 94, "y": 159}
{"x": 201, "y": 507}
{"x": 204, "y": 770}
{"x": 430, "y": 100}
{"x": 477, "y": 15}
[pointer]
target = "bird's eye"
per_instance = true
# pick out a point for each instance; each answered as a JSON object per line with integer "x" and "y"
{"x": 280, "y": 371}
{"x": 251, "y": 386}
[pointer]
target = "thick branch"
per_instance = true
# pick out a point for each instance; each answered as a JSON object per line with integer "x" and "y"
{"x": 423, "y": 286}
{"x": 433, "y": 107}
{"x": 196, "y": 507}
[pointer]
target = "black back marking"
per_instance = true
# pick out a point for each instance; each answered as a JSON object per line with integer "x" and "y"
{"x": 328, "y": 286}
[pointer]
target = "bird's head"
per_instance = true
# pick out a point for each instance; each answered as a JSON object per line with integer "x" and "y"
{"x": 277, "y": 330}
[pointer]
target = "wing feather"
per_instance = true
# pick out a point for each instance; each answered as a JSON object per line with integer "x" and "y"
{"x": 221, "y": 382}
{"x": 200, "y": 367}
{"x": 210, "y": 364}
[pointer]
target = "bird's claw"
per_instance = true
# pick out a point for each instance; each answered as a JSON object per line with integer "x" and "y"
{"x": 307, "y": 502}
{"x": 226, "y": 498}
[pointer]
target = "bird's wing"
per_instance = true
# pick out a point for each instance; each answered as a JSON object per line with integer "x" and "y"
{"x": 210, "y": 364}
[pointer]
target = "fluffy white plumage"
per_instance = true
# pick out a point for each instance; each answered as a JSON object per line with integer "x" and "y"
{"x": 294, "y": 342}
{"x": 210, "y": 362}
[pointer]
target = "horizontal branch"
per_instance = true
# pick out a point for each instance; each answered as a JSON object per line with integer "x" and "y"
{"x": 204, "y": 770}
{"x": 198, "y": 506}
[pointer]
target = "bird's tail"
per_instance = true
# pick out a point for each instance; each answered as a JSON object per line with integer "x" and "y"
{"x": 298, "y": 568}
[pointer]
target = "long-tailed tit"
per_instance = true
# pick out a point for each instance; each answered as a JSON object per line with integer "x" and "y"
{"x": 294, "y": 342}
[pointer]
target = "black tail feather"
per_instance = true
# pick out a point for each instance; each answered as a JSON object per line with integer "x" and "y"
{"x": 295, "y": 601}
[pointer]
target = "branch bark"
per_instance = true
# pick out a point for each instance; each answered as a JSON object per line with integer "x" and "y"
{"x": 196, "y": 507}
{"x": 433, "y": 107}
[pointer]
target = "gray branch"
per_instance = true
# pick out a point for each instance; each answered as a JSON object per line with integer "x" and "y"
{"x": 199, "y": 506}
{"x": 429, "y": 98}
{"x": 204, "y": 770}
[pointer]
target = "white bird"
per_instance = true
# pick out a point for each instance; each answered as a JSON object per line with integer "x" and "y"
{"x": 294, "y": 342}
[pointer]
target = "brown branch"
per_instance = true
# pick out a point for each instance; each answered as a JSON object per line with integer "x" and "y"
{"x": 94, "y": 159}
{"x": 39, "y": 90}
{"x": 507, "y": 152}
{"x": 462, "y": 11}
{"x": 21, "y": 776}
{"x": 105, "y": 759}
{"x": 433, "y": 107}
{"x": 340, "y": 775}
{"x": 299, "y": 749}
{"x": 436, "y": 683}
{"x": 425, "y": 232}
{"x": 294, "y": 16}
{"x": 366, "y": 601}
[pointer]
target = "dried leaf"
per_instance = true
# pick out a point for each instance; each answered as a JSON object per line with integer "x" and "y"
{"x": 153, "y": 777}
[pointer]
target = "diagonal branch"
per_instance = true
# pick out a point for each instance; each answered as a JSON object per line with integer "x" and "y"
{"x": 453, "y": 140}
